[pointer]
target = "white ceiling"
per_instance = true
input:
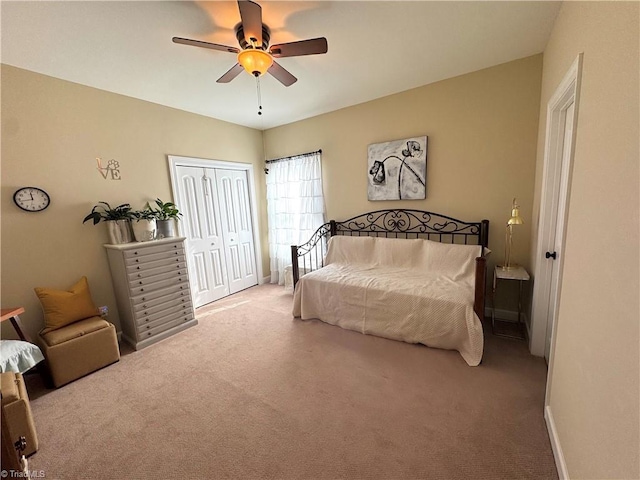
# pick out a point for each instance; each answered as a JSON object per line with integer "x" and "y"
{"x": 375, "y": 49}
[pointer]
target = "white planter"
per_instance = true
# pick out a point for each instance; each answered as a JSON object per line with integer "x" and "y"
{"x": 166, "y": 228}
{"x": 119, "y": 231}
{"x": 144, "y": 230}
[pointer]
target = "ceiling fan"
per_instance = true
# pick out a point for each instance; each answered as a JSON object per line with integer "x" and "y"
{"x": 255, "y": 55}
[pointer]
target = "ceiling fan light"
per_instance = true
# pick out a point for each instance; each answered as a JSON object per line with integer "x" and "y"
{"x": 255, "y": 61}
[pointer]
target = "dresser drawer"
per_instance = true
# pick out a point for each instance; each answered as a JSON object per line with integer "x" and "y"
{"x": 162, "y": 307}
{"x": 144, "y": 259}
{"x": 179, "y": 297}
{"x": 148, "y": 281}
{"x": 137, "y": 267}
{"x": 142, "y": 335}
{"x": 181, "y": 282}
{"x": 176, "y": 309}
{"x": 144, "y": 251}
{"x": 143, "y": 297}
{"x": 146, "y": 271}
{"x": 146, "y": 326}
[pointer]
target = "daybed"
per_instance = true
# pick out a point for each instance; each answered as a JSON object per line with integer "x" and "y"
{"x": 406, "y": 275}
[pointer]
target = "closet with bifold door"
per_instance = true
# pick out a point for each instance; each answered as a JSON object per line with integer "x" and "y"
{"x": 217, "y": 222}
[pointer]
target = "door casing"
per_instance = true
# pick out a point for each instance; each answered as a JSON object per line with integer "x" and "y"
{"x": 176, "y": 160}
{"x": 554, "y": 204}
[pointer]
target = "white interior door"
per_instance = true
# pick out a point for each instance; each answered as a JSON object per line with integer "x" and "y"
{"x": 559, "y": 146}
{"x": 198, "y": 202}
{"x": 557, "y": 232}
{"x": 237, "y": 228}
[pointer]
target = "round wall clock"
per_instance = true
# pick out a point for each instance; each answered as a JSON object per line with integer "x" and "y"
{"x": 31, "y": 199}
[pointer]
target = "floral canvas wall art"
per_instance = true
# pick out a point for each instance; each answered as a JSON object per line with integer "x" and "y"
{"x": 397, "y": 170}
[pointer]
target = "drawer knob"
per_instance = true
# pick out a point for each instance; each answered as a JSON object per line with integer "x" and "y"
{"x": 148, "y": 326}
{"x": 146, "y": 313}
{"x": 138, "y": 268}
{"x": 139, "y": 274}
{"x": 140, "y": 282}
{"x": 176, "y": 253}
{"x": 143, "y": 299}
{"x": 142, "y": 289}
{"x": 135, "y": 253}
{"x": 137, "y": 260}
{"x": 149, "y": 333}
{"x": 175, "y": 246}
{"x": 146, "y": 319}
{"x": 144, "y": 306}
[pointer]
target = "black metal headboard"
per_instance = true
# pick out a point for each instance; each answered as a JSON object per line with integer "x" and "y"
{"x": 397, "y": 223}
{"x": 393, "y": 223}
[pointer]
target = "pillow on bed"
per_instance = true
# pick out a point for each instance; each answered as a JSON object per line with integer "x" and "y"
{"x": 397, "y": 252}
{"x": 62, "y": 307}
{"x": 457, "y": 262}
{"x": 347, "y": 249}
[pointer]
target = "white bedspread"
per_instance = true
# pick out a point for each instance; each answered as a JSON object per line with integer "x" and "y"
{"x": 416, "y": 291}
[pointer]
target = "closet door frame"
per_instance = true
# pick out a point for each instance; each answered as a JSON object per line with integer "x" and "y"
{"x": 176, "y": 160}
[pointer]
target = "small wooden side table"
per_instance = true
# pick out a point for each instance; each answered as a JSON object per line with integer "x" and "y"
{"x": 11, "y": 314}
{"x": 519, "y": 274}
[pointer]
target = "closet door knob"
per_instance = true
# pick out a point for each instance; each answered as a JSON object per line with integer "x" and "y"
{"x": 553, "y": 255}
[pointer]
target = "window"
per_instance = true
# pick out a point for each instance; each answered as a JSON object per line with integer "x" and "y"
{"x": 295, "y": 206}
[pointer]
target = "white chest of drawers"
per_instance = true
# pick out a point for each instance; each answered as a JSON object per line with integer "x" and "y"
{"x": 151, "y": 285}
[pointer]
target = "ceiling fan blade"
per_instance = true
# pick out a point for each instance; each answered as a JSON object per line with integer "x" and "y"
{"x": 312, "y": 46}
{"x": 200, "y": 43}
{"x": 282, "y": 75}
{"x": 231, "y": 74}
{"x": 251, "y": 16}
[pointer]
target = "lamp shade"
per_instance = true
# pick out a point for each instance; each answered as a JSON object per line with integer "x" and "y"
{"x": 255, "y": 61}
{"x": 515, "y": 219}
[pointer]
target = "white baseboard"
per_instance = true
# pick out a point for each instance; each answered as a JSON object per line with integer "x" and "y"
{"x": 265, "y": 280}
{"x": 119, "y": 334}
{"x": 561, "y": 465}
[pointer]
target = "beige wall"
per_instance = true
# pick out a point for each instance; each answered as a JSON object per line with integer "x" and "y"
{"x": 52, "y": 131}
{"x": 482, "y": 130}
{"x": 595, "y": 374}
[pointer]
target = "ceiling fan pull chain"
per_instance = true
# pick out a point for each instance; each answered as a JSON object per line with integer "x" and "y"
{"x": 259, "y": 95}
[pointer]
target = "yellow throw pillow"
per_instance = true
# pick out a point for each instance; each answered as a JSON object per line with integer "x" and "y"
{"x": 64, "y": 307}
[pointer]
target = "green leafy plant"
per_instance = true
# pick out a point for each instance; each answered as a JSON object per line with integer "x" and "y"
{"x": 166, "y": 211}
{"x": 104, "y": 212}
{"x": 146, "y": 214}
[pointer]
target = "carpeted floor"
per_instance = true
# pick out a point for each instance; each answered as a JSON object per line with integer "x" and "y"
{"x": 251, "y": 393}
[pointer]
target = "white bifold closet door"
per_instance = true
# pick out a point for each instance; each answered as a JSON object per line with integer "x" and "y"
{"x": 217, "y": 224}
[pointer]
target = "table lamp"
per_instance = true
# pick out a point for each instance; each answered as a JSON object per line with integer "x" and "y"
{"x": 515, "y": 219}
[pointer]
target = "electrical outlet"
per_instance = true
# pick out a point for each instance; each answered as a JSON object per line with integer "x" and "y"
{"x": 104, "y": 311}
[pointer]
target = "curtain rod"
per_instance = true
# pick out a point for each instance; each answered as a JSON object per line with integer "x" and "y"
{"x": 289, "y": 157}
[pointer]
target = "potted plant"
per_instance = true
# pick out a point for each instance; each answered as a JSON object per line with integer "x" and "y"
{"x": 166, "y": 214}
{"x": 144, "y": 224}
{"x": 117, "y": 220}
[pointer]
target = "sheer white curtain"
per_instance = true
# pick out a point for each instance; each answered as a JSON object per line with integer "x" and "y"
{"x": 295, "y": 207}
